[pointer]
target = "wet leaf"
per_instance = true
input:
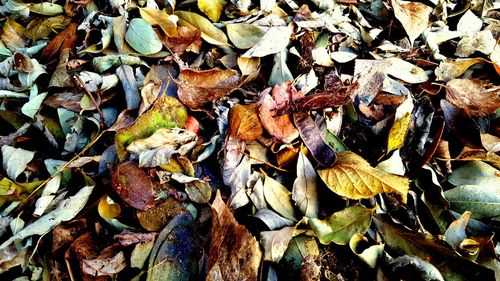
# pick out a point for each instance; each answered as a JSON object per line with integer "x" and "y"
{"x": 354, "y": 178}
{"x": 231, "y": 243}
{"x": 199, "y": 87}
{"x": 342, "y": 225}
{"x": 134, "y": 186}
{"x": 304, "y": 192}
{"x": 142, "y": 38}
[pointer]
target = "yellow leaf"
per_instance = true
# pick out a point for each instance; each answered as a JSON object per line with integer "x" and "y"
{"x": 108, "y": 209}
{"x": 12, "y": 35}
{"x": 354, "y": 178}
{"x": 159, "y": 18}
{"x": 244, "y": 122}
{"x": 212, "y": 8}
{"x": 398, "y": 131}
{"x": 209, "y": 32}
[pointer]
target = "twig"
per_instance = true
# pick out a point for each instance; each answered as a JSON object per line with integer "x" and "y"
{"x": 262, "y": 161}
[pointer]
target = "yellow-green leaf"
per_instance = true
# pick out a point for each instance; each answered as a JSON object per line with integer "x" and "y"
{"x": 159, "y": 18}
{"x": 209, "y": 32}
{"x": 402, "y": 120}
{"x": 354, "y": 178}
{"x": 279, "y": 198}
{"x": 212, "y": 8}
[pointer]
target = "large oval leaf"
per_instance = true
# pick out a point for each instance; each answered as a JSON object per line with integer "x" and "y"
{"x": 142, "y": 38}
{"x": 244, "y": 35}
{"x": 209, "y": 32}
{"x": 354, "y": 178}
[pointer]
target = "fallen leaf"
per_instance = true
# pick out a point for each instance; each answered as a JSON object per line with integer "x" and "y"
{"x": 15, "y": 160}
{"x": 451, "y": 69}
{"x": 313, "y": 139}
{"x": 65, "y": 211}
{"x": 209, "y": 32}
{"x": 280, "y": 127}
{"x": 244, "y": 35}
{"x": 455, "y": 233}
{"x": 476, "y": 96}
{"x": 414, "y": 17}
{"x": 212, "y": 8}
{"x": 231, "y": 243}
{"x": 368, "y": 254}
{"x": 482, "y": 42}
{"x": 104, "y": 266}
{"x": 167, "y": 112}
{"x": 134, "y": 186}
{"x": 142, "y": 38}
{"x": 354, "y": 178}
{"x": 155, "y": 218}
{"x": 462, "y": 125}
{"x": 279, "y": 198}
{"x": 305, "y": 190}
{"x": 342, "y": 225}
{"x": 276, "y": 242}
{"x": 197, "y": 87}
{"x": 400, "y": 266}
{"x": 127, "y": 78}
{"x": 402, "y": 121}
{"x": 12, "y": 35}
{"x": 275, "y": 40}
{"x": 187, "y": 39}
{"x": 159, "y": 18}
{"x": 244, "y": 122}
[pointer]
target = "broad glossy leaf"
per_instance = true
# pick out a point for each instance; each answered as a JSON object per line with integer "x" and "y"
{"x": 482, "y": 201}
{"x": 354, "y": 178}
{"x": 475, "y": 173}
{"x": 305, "y": 190}
{"x": 142, "y": 38}
{"x": 342, "y": 225}
{"x": 209, "y": 32}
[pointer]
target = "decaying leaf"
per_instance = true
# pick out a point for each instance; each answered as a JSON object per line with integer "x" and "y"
{"x": 354, "y": 178}
{"x": 230, "y": 244}
{"x": 280, "y": 127}
{"x": 197, "y": 87}
{"x": 134, "y": 186}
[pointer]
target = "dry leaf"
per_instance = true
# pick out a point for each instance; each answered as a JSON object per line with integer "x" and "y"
{"x": 159, "y": 18}
{"x": 187, "y": 39}
{"x": 474, "y": 95}
{"x": 280, "y": 127}
{"x": 197, "y": 87}
{"x": 414, "y": 17}
{"x": 354, "y": 178}
{"x": 234, "y": 253}
{"x": 244, "y": 122}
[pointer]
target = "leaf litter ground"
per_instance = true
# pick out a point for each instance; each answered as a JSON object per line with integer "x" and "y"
{"x": 236, "y": 140}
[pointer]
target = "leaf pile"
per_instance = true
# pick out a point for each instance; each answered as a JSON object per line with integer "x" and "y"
{"x": 249, "y": 140}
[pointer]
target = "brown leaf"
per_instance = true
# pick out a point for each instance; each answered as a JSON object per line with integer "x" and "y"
{"x": 65, "y": 39}
{"x": 197, "y": 87}
{"x": 244, "y": 122}
{"x": 413, "y": 16}
{"x": 280, "y": 127}
{"x": 476, "y": 96}
{"x": 12, "y": 35}
{"x": 157, "y": 217}
{"x": 187, "y": 39}
{"x": 134, "y": 186}
{"x": 234, "y": 253}
{"x": 127, "y": 238}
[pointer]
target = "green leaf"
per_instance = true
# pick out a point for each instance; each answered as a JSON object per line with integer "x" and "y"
{"x": 209, "y": 32}
{"x": 142, "y": 38}
{"x": 279, "y": 198}
{"x": 47, "y": 9}
{"x": 482, "y": 201}
{"x": 212, "y": 8}
{"x": 369, "y": 255}
{"x": 342, "y": 225}
{"x": 244, "y": 35}
{"x": 280, "y": 72}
